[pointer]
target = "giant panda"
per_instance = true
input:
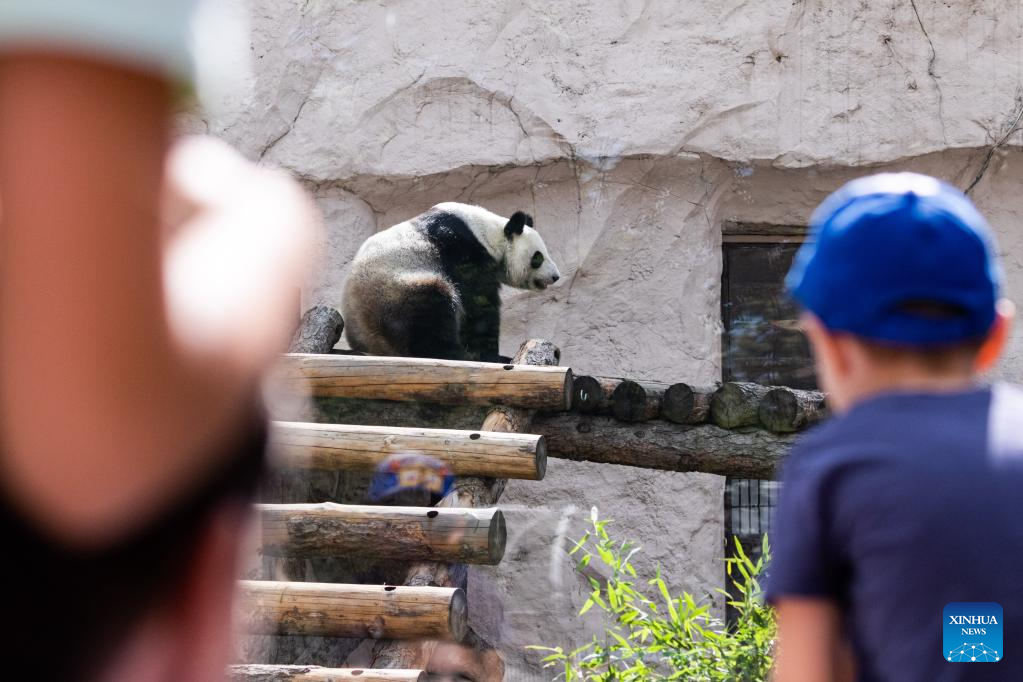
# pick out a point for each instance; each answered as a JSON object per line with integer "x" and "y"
{"x": 429, "y": 287}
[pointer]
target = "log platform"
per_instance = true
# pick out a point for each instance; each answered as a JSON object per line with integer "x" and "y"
{"x": 427, "y": 380}
{"x": 362, "y": 448}
{"x": 724, "y": 430}
{"x": 338, "y": 610}
{"x": 744, "y": 453}
{"x": 465, "y": 536}
{"x": 311, "y": 673}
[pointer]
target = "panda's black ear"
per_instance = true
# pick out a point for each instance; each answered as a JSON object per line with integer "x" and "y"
{"x": 516, "y": 223}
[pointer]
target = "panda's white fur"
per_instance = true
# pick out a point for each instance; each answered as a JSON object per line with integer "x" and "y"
{"x": 428, "y": 287}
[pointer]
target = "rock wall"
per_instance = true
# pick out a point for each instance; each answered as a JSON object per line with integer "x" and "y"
{"x": 632, "y": 130}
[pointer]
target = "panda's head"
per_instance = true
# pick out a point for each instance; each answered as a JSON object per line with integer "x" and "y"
{"x": 527, "y": 265}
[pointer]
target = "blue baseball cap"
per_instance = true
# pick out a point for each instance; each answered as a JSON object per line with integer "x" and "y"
{"x": 886, "y": 251}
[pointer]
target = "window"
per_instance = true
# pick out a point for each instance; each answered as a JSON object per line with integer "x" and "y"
{"x": 761, "y": 343}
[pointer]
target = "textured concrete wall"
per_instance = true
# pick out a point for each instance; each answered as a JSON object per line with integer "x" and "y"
{"x": 632, "y": 130}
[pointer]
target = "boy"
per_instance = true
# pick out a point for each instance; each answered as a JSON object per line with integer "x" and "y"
{"x": 905, "y": 505}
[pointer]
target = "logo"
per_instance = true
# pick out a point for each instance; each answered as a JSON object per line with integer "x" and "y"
{"x": 972, "y": 632}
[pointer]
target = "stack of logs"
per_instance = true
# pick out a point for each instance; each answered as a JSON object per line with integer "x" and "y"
{"x": 735, "y": 429}
{"x": 427, "y": 609}
{"x": 538, "y": 409}
{"x": 732, "y": 405}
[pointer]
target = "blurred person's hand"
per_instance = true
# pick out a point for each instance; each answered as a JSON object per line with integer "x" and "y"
{"x": 238, "y": 242}
{"x": 142, "y": 290}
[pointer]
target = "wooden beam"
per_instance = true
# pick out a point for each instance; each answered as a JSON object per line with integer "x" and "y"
{"x": 318, "y": 331}
{"x": 737, "y": 403}
{"x": 468, "y": 492}
{"x": 684, "y": 404}
{"x": 732, "y": 228}
{"x": 787, "y": 409}
{"x": 747, "y": 453}
{"x": 468, "y": 453}
{"x": 428, "y": 380}
{"x": 311, "y": 673}
{"x": 468, "y": 536}
{"x": 270, "y": 607}
{"x": 473, "y": 491}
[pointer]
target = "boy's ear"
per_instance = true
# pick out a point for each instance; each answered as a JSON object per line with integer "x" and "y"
{"x": 994, "y": 344}
{"x": 516, "y": 224}
{"x": 833, "y": 360}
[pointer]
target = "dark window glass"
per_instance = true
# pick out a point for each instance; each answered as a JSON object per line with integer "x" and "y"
{"x": 761, "y": 343}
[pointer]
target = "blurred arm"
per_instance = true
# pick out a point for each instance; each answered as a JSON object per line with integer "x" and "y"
{"x": 811, "y": 646}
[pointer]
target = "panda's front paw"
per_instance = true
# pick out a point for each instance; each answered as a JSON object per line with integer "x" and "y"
{"x": 500, "y": 359}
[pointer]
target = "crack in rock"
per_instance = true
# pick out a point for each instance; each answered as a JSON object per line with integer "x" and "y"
{"x": 291, "y": 126}
{"x": 1013, "y": 127}
{"x": 930, "y": 71}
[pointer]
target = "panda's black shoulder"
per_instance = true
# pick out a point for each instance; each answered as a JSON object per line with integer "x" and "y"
{"x": 454, "y": 240}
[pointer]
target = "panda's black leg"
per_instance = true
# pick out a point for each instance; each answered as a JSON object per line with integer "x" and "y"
{"x": 434, "y": 334}
{"x": 426, "y": 325}
{"x": 481, "y": 329}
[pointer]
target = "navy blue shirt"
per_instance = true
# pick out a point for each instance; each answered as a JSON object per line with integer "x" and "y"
{"x": 904, "y": 504}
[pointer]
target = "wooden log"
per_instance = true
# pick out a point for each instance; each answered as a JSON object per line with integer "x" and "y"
{"x": 635, "y": 402}
{"x": 745, "y": 453}
{"x": 737, "y": 403}
{"x": 311, "y": 673}
{"x": 337, "y": 610}
{"x": 684, "y": 404}
{"x": 438, "y": 381}
{"x": 473, "y": 491}
{"x": 468, "y": 492}
{"x": 469, "y": 536}
{"x": 592, "y": 395}
{"x": 318, "y": 331}
{"x": 301, "y": 445}
{"x": 785, "y": 409}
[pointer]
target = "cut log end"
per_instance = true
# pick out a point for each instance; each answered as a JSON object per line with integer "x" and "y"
{"x": 538, "y": 352}
{"x": 458, "y": 615}
{"x": 785, "y": 409}
{"x": 541, "y": 459}
{"x": 737, "y": 404}
{"x": 498, "y": 538}
{"x": 318, "y": 331}
{"x": 586, "y": 394}
{"x": 633, "y": 402}
{"x": 684, "y": 404}
{"x": 569, "y": 383}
